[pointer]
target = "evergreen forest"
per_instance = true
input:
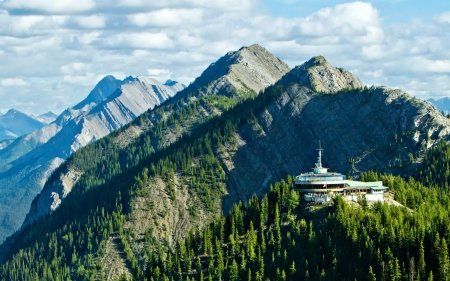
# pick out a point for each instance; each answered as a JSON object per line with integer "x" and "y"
{"x": 275, "y": 236}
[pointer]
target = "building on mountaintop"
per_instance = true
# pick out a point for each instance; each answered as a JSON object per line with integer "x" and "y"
{"x": 321, "y": 185}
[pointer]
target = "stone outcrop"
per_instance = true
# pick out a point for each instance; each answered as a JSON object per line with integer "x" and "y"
{"x": 320, "y": 76}
{"x": 237, "y": 73}
{"x": 374, "y": 129}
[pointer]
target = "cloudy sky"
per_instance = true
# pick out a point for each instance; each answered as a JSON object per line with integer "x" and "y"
{"x": 53, "y": 54}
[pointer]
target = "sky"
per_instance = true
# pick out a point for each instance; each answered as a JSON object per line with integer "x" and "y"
{"x": 52, "y": 53}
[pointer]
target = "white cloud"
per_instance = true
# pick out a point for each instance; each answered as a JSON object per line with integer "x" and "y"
{"x": 60, "y": 51}
{"x": 93, "y": 21}
{"x": 48, "y": 6}
{"x": 12, "y": 82}
{"x": 159, "y": 74}
{"x": 74, "y": 68}
{"x": 218, "y": 4}
{"x": 144, "y": 40}
{"x": 444, "y": 17}
{"x": 167, "y": 17}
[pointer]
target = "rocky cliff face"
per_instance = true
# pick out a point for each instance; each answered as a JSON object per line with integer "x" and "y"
{"x": 239, "y": 72}
{"x": 26, "y": 163}
{"x": 375, "y": 129}
{"x": 320, "y": 76}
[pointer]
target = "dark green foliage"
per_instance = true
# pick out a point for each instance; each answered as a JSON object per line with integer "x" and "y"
{"x": 269, "y": 238}
{"x": 68, "y": 243}
{"x": 435, "y": 167}
{"x": 380, "y": 242}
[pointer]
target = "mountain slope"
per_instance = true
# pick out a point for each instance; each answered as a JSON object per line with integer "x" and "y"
{"x": 270, "y": 238}
{"x": 15, "y": 123}
{"x": 162, "y": 126}
{"x": 159, "y": 192}
{"x": 26, "y": 163}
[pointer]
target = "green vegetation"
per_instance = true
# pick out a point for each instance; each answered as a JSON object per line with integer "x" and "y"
{"x": 270, "y": 239}
{"x": 67, "y": 244}
{"x": 435, "y": 167}
{"x": 273, "y": 237}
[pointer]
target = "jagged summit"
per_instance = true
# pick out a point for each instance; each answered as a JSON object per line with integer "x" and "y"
{"x": 13, "y": 112}
{"x": 315, "y": 61}
{"x": 319, "y": 75}
{"x": 101, "y": 91}
{"x": 239, "y": 71}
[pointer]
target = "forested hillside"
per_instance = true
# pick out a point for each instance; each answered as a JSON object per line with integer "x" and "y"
{"x": 138, "y": 196}
{"x": 236, "y": 76}
{"x": 271, "y": 238}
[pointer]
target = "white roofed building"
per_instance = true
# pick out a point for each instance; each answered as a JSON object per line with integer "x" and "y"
{"x": 321, "y": 185}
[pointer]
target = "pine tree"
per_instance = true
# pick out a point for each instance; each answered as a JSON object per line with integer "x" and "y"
{"x": 443, "y": 261}
{"x": 370, "y": 275}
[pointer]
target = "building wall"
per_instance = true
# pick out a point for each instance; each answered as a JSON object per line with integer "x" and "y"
{"x": 375, "y": 197}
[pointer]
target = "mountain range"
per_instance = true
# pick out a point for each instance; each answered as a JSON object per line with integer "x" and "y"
{"x": 26, "y": 162}
{"x": 14, "y": 123}
{"x": 246, "y": 123}
{"x": 443, "y": 104}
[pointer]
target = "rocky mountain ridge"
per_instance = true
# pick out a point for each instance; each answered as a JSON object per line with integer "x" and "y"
{"x": 243, "y": 73}
{"x": 26, "y": 163}
{"x": 320, "y": 76}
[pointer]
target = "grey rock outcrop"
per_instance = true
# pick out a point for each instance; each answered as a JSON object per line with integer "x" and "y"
{"x": 239, "y": 72}
{"x": 26, "y": 163}
{"x": 376, "y": 129}
{"x": 320, "y": 76}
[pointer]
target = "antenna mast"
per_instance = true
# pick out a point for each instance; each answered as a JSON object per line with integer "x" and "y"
{"x": 319, "y": 159}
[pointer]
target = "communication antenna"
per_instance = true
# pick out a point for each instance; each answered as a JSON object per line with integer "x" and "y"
{"x": 319, "y": 159}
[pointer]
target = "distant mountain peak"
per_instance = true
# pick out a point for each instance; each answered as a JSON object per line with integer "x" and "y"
{"x": 46, "y": 118}
{"x": 443, "y": 104}
{"x": 13, "y": 111}
{"x": 16, "y": 123}
{"x": 170, "y": 82}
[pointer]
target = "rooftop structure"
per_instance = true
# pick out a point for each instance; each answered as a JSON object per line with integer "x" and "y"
{"x": 321, "y": 185}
